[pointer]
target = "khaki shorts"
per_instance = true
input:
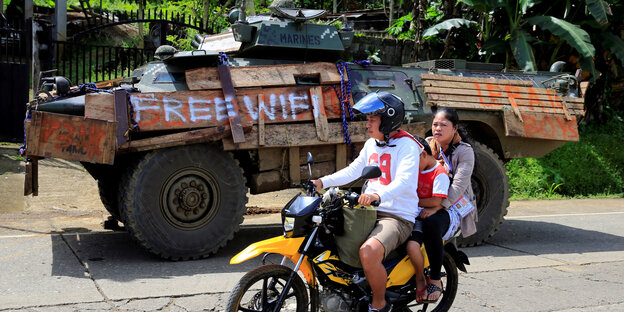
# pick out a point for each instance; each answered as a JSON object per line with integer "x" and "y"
{"x": 391, "y": 231}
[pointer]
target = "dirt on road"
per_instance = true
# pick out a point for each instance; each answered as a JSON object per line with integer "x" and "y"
{"x": 68, "y": 197}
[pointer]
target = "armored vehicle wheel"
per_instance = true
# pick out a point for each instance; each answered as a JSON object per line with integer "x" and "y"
{"x": 109, "y": 190}
{"x": 491, "y": 187}
{"x": 184, "y": 203}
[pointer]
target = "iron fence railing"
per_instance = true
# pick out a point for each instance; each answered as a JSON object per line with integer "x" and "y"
{"x": 92, "y": 63}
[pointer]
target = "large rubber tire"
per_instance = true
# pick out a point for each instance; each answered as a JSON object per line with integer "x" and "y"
{"x": 491, "y": 188}
{"x": 183, "y": 203}
{"x": 107, "y": 178}
{"x": 267, "y": 275}
{"x": 450, "y": 281}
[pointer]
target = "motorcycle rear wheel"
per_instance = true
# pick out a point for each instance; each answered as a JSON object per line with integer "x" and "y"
{"x": 450, "y": 282}
{"x": 259, "y": 289}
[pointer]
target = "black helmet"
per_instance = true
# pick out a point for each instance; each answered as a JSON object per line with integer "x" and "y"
{"x": 385, "y": 104}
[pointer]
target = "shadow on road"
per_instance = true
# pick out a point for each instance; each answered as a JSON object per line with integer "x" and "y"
{"x": 114, "y": 256}
{"x": 539, "y": 237}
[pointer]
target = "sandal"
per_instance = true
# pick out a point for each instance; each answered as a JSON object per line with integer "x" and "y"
{"x": 419, "y": 292}
{"x": 432, "y": 288}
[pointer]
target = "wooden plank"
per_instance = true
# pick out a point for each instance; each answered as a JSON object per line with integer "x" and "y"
{"x": 341, "y": 156}
{"x": 584, "y": 86}
{"x": 321, "y": 153}
{"x": 121, "y": 116}
{"x": 266, "y": 182}
{"x": 488, "y": 90}
{"x": 320, "y": 116}
{"x": 28, "y": 177}
{"x": 231, "y": 105}
{"x": 303, "y": 134}
{"x": 318, "y": 170}
{"x": 497, "y": 108}
{"x": 513, "y": 124}
{"x": 474, "y": 79}
{"x": 260, "y": 119}
{"x": 72, "y": 138}
{"x": 176, "y": 139}
{"x": 549, "y": 126}
{"x": 293, "y": 165}
{"x": 271, "y": 158}
{"x": 100, "y": 106}
{"x": 206, "y": 78}
{"x": 564, "y": 105}
{"x": 496, "y": 100}
{"x": 202, "y": 109}
{"x": 514, "y": 107}
{"x": 109, "y": 83}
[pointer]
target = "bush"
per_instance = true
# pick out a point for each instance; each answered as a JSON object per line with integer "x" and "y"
{"x": 592, "y": 167}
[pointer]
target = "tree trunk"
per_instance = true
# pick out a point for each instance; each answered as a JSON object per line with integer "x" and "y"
{"x": 418, "y": 24}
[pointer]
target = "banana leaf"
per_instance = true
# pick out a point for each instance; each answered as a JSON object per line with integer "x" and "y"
{"x": 447, "y": 25}
{"x": 614, "y": 44}
{"x": 522, "y": 51}
{"x": 485, "y": 5}
{"x": 599, "y": 9}
{"x": 576, "y": 37}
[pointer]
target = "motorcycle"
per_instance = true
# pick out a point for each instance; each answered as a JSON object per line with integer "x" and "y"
{"x": 309, "y": 224}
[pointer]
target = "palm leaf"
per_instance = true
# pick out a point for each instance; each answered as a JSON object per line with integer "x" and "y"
{"x": 525, "y": 5}
{"x": 484, "y": 6}
{"x": 447, "y": 25}
{"x": 599, "y": 10}
{"x": 522, "y": 50}
{"x": 573, "y": 34}
{"x": 614, "y": 43}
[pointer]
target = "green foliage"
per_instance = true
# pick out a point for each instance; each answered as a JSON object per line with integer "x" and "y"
{"x": 447, "y": 25}
{"x": 593, "y": 166}
{"x": 400, "y": 27}
{"x": 372, "y": 55}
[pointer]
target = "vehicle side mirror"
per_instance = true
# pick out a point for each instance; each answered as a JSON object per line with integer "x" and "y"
{"x": 371, "y": 172}
{"x": 310, "y": 160}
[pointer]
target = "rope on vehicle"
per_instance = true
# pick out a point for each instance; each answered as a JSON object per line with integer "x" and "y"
{"x": 22, "y": 149}
{"x": 344, "y": 96}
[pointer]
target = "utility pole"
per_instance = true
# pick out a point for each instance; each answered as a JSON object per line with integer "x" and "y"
{"x": 60, "y": 17}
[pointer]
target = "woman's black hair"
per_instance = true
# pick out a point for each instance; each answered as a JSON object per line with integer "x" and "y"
{"x": 451, "y": 115}
{"x": 424, "y": 143}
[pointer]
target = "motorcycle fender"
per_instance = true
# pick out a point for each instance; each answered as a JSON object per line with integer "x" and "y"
{"x": 404, "y": 270}
{"x": 288, "y": 247}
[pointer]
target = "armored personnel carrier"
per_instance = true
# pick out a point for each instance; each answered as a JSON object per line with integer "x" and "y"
{"x": 177, "y": 146}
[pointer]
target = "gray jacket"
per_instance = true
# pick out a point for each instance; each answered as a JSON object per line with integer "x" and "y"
{"x": 463, "y": 159}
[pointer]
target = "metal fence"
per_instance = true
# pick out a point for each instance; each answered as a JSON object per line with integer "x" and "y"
{"x": 14, "y": 58}
{"x": 92, "y": 63}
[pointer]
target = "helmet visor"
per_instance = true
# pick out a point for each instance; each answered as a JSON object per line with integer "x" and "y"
{"x": 370, "y": 104}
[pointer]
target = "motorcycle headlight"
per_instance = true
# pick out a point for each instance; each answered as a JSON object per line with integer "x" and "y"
{"x": 289, "y": 224}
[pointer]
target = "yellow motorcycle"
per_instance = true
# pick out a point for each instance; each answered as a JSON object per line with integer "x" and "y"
{"x": 309, "y": 223}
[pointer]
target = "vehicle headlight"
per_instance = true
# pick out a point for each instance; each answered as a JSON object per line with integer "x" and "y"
{"x": 289, "y": 224}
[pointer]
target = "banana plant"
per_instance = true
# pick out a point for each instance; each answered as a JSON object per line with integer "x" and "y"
{"x": 513, "y": 31}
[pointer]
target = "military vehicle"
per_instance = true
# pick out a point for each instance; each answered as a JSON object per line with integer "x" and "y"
{"x": 176, "y": 147}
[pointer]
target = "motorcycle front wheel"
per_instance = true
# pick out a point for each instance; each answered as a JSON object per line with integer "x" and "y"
{"x": 260, "y": 289}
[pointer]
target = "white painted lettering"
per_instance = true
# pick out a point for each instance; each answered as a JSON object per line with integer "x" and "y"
{"x": 220, "y": 107}
{"x": 196, "y": 111}
{"x": 172, "y": 109}
{"x": 283, "y": 103}
{"x": 293, "y": 99}
{"x": 138, "y": 100}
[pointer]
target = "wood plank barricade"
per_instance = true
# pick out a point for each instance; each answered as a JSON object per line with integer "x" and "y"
{"x": 206, "y": 78}
{"x": 304, "y": 134}
{"x": 202, "y": 109}
{"x": 100, "y": 106}
{"x": 320, "y": 116}
{"x": 72, "y": 138}
{"x": 527, "y": 111}
{"x": 229, "y": 94}
{"x": 176, "y": 139}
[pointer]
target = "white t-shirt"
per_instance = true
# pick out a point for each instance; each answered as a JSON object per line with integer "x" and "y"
{"x": 399, "y": 163}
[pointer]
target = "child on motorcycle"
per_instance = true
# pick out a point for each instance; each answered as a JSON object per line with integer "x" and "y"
{"x": 433, "y": 185}
{"x": 396, "y": 153}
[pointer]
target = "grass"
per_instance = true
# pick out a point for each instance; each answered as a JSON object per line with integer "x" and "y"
{"x": 592, "y": 167}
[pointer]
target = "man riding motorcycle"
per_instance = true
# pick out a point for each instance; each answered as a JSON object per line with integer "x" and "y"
{"x": 396, "y": 152}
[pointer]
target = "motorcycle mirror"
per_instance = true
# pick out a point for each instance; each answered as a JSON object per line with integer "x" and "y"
{"x": 371, "y": 172}
{"x": 310, "y": 161}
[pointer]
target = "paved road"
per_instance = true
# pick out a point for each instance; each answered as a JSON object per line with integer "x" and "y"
{"x": 548, "y": 256}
